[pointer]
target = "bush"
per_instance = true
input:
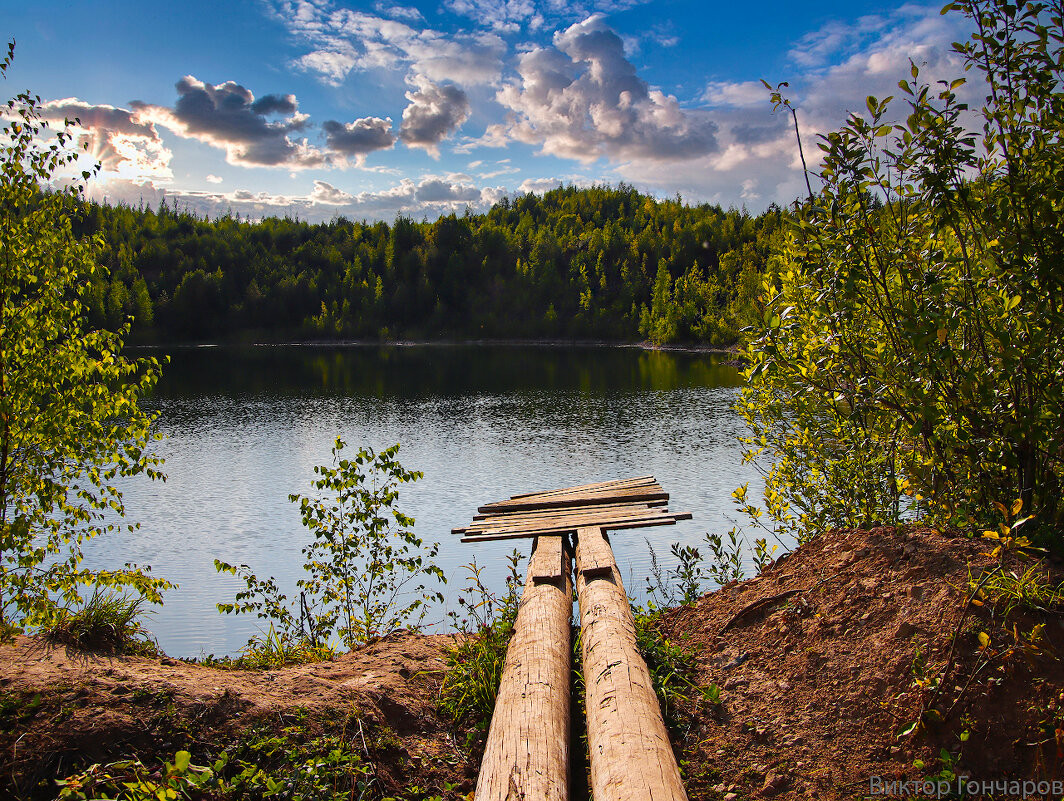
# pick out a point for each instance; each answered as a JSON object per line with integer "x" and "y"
{"x": 69, "y": 400}
{"x": 364, "y": 567}
{"x": 485, "y": 625}
{"x": 108, "y": 621}
{"x": 909, "y": 362}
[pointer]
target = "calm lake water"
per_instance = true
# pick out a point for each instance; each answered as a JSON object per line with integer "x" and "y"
{"x": 245, "y": 427}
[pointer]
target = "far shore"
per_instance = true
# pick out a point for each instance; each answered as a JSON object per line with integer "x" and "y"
{"x": 730, "y": 350}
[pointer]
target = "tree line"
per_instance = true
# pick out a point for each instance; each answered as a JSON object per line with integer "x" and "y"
{"x": 603, "y": 263}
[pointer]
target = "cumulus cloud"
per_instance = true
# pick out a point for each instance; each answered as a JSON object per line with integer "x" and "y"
{"x": 582, "y": 99}
{"x": 430, "y": 197}
{"x": 835, "y": 68}
{"x": 360, "y": 137}
{"x": 342, "y": 40}
{"x": 120, "y": 140}
{"x": 228, "y": 116}
{"x": 433, "y": 114}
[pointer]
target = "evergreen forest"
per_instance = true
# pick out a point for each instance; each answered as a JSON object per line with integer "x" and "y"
{"x": 599, "y": 263}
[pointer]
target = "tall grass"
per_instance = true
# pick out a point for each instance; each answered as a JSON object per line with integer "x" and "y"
{"x": 107, "y": 621}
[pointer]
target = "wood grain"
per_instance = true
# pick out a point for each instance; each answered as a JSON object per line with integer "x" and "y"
{"x": 631, "y": 758}
{"x": 649, "y": 493}
{"x": 527, "y": 751}
{"x": 552, "y": 562}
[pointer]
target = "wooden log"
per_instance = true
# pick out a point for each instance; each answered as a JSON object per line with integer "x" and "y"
{"x": 631, "y": 758}
{"x": 552, "y": 564}
{"x": 527, "y": 752}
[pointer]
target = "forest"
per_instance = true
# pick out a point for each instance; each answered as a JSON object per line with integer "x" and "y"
{"x": 598, "y": 263}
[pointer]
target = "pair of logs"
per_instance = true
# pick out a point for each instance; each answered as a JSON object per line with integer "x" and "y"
{"x": 527, "y": 753}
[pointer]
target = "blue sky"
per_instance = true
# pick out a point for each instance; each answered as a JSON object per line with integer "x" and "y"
{"x": 321, "y": 108}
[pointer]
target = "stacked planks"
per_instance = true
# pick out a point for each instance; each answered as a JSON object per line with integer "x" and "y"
{"x": 608, "y": 505}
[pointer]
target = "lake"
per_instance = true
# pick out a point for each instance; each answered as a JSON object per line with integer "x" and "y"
{"x": 245, "y": 426}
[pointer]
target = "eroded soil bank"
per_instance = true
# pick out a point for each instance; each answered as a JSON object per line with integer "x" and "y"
{"x": 822, "y": 662}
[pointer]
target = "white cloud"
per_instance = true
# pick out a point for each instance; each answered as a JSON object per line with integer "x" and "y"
{"x": 253, "y": 133}
{"x": 213, "y": 179}
{"x": 430, "y": 196}
{"x": 360, "y": 137}
{"x": 343, "y": 40}
{"x": 582, "y": 99}
{"x": 121, "y": 141}
{"x": 433, "y": 114}
{"x": 837, "y": 67}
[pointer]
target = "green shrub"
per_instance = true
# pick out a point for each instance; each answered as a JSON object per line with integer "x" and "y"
{"x": 474, "y": 665}
{"x": 909, "y": 360}
{"x": 107, "y": 621}
{"x": 364, "y": 568}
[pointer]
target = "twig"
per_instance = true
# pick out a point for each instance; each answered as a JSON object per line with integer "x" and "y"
{"x": 759, "y": 604}
{"x": 956, "y": 636}
{"x": 763, "y": 602}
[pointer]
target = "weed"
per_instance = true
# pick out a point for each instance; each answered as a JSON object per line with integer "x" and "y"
{"x": 474, "y": 665}
{"x": 726, "y": 563}
{"x": 15, "y": 707}
{"x": 131, "y": 780}
{"x": 1007, "y": 591}
{"x": 362, "y": 568}
{"x": 108, "y": 621}
{"x": 671, "y": 667}
{"x": 682, "y": 584}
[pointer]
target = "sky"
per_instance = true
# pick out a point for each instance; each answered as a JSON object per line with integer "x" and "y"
{"x": 318, "y": 109}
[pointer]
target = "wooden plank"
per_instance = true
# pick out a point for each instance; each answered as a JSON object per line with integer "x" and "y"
{"x": 631, "y": 757}
{"x": 619, "y": 525}
{"x": 518, "y": 518}
{"x": 638, "y": 480}
{"x": 527, "y": 751}
{"x": 532, "y": 519}
{"x": 588, "y": 515}
{"x": 561, "y": 501}
{"x": 573, "y": 522}
{"x": 565, "y": 511}
{"x": 549, "y": 565}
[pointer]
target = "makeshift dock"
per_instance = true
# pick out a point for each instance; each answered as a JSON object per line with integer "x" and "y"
{"x": 527, "y": 754}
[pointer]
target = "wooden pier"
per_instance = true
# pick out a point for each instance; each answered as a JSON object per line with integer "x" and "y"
{"x": 527, "y": 753}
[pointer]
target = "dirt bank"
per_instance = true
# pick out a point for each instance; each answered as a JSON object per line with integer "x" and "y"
{"x": 823, "y": 662}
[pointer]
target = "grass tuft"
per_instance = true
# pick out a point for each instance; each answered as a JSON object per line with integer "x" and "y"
{"x": 108, "y": 622}
{"x": 474, "y": 665}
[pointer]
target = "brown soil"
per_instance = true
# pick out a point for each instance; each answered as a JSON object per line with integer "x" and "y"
{"x": 819, "y": 661}
{"x": 97, "y": 708}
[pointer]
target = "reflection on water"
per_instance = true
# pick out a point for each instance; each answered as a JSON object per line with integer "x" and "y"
{"x": 245, "y": 427}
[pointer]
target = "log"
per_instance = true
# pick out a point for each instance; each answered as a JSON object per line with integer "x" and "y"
{"x": 631, "y": 758}
{"x": 553, "y": 564}
{"x": 527, "y": 752}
